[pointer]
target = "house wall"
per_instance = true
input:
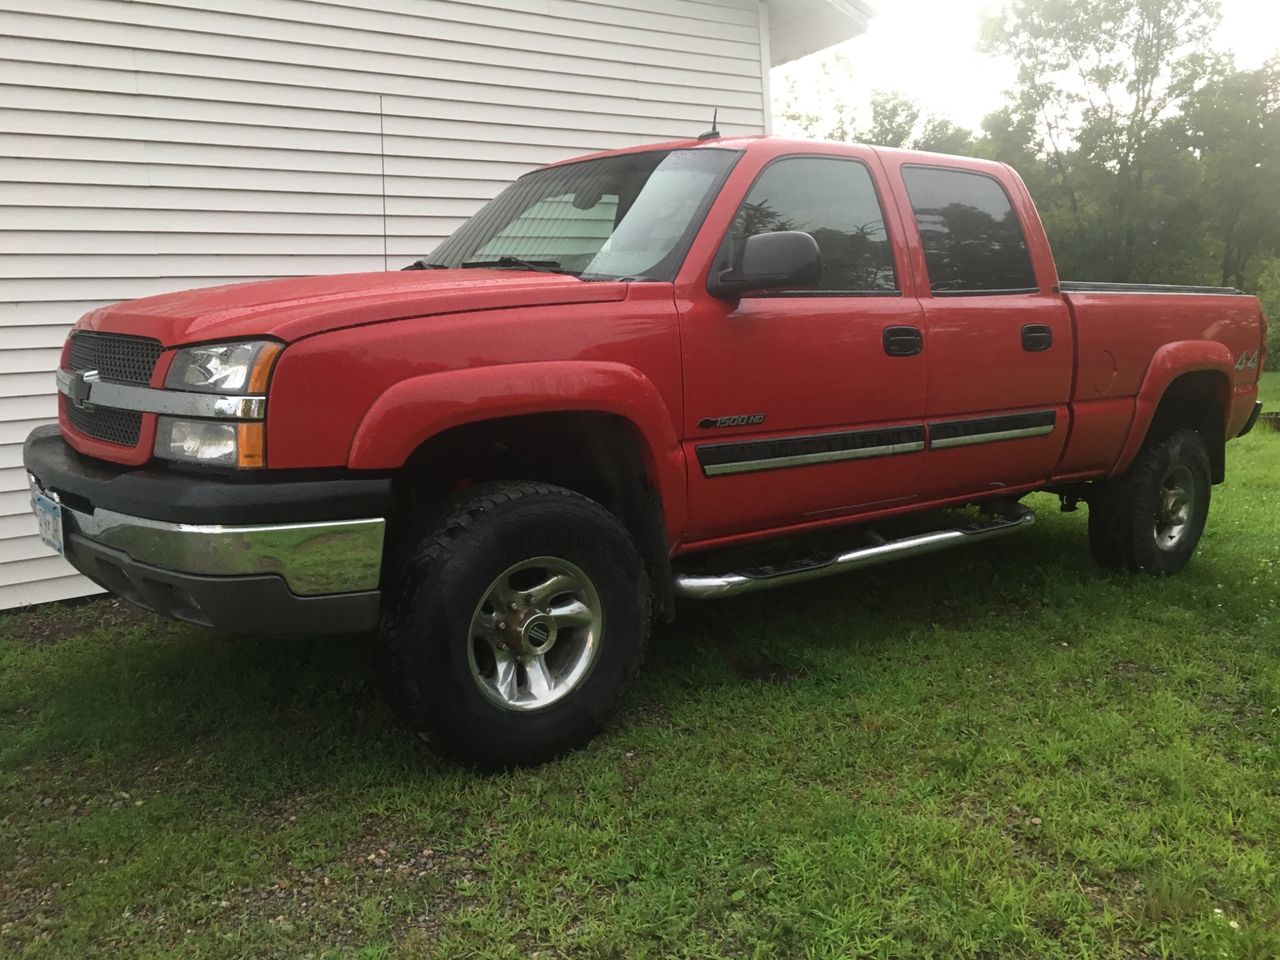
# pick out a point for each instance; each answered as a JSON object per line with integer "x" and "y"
{"x": 154, "y": 146}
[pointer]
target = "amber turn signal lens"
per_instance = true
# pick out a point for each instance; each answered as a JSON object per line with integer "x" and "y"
{"x": 262, "y": 364}
{"x": 251, "y": 447}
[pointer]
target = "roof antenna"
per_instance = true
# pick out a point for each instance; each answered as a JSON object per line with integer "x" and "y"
{"x": 382, "y": 160}
{"x": 713, "y": 133}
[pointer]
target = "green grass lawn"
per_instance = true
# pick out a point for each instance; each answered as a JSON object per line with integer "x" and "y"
{"x": 998, "y": 752}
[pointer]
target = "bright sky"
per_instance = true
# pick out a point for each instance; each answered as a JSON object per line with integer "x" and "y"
{"x": 926, "y": 49}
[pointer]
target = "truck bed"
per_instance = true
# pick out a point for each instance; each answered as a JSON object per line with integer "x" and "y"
{"x": 1126, "y": 333}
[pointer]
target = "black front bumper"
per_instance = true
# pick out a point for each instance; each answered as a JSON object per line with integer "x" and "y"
{"x": 250, "y": 555}
{"x": 185, "y": 497}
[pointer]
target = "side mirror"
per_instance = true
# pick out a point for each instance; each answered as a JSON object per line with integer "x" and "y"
{"x": 770, "y": 261}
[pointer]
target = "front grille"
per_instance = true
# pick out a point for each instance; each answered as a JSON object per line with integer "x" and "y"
{"x": 103, "y": 423}
{"x": 115, "y": 357}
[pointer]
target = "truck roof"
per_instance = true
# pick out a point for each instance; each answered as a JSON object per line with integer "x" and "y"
{"x": 779, "y": 144}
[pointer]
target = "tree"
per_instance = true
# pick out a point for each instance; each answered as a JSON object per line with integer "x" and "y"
{"x": 894, "y": 121}
{"x": 898, "y": 121}
{"x": 1233, "y": 125}
{"x": 823, "y": 108}
{"x": 942, "y": 136}
{"x": 1099, "y": 80}
{"x": 1268, "y": 290}
{"x": 820, "y": 108}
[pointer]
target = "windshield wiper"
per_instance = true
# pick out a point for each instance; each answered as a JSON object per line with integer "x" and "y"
{"x": 540, "y": 266}
{"x": 423, "y": 265}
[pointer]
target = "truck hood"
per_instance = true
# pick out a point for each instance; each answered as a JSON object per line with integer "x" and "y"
{"x": 303, "y": 306}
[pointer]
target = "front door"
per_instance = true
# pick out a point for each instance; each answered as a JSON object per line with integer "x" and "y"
{"x": 805, "y": 405}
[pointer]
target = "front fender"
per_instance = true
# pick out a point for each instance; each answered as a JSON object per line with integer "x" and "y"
{"x": 412, "y": 411}
{"x": 1170, "y": 362}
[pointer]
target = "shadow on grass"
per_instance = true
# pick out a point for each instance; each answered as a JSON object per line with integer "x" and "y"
{"x": 135, "y": 692}
{"x": 142, "y": 695}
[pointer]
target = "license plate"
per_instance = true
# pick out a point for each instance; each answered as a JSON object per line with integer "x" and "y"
{"x": 49, "y": 517}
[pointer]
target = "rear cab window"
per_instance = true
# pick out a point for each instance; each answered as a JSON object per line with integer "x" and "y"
{"x": 973, "y": 242}
{"x": 834, "y": 200}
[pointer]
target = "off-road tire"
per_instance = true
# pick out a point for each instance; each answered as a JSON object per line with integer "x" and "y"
{"x": 442, "y": 576}
{"x": 1124, "y": 513}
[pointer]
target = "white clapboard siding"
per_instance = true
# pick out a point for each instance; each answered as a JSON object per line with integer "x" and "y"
{"x": 153, "y": 146}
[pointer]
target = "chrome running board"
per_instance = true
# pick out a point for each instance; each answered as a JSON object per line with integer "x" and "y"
{"x": 705, "y": 586}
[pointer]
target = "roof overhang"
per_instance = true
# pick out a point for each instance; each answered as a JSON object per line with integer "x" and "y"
{"x": 800, "y": 27}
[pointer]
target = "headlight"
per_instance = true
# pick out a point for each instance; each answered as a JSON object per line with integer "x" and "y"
{"x": 224, "y": 367}
{"x": 229, "y": 368}
{"x": 214, "y": 442}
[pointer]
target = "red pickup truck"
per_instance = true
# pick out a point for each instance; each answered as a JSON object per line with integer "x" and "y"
{"x": 504, "y": 459}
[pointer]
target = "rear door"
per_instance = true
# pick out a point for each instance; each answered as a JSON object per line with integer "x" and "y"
{"x": 1000, "y": 343}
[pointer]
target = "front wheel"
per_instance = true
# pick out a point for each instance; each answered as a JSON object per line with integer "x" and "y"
{"x": 515, "y": 625}
{"x": 1151, "y": 519}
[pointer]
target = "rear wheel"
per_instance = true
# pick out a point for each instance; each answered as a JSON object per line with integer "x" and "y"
{"x": 1151, "y": 519}
{"x": 517, "y": 622}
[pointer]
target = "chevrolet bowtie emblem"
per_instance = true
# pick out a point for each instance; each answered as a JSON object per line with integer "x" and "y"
{"x": 81, "y": 386}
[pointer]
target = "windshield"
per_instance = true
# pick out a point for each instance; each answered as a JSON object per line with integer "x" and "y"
{"x": 632, "y": 215}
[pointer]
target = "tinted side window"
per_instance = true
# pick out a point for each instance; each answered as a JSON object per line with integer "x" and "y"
{"x": 972, "y": 238}
{"x": 833, "y": 200}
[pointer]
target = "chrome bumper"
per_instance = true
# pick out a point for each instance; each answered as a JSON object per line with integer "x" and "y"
{"x": 340, "y": 556}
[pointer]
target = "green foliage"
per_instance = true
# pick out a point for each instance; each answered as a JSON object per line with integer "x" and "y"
{"x": 1098, "y": 80}
{"x": 1233, "y": 125}
{"x": 942, "y": 136}
{"x": 1268, "y": 289}
{"x": 1151, "y": 158}
{"x": 894, "y": 121}
{"x": 999, "y": 752}
{"x": 822, "y": 110}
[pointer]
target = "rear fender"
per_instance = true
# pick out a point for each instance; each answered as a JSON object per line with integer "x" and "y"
{"x": 1171, "y": 361}
{"x": 413, "y": 411}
